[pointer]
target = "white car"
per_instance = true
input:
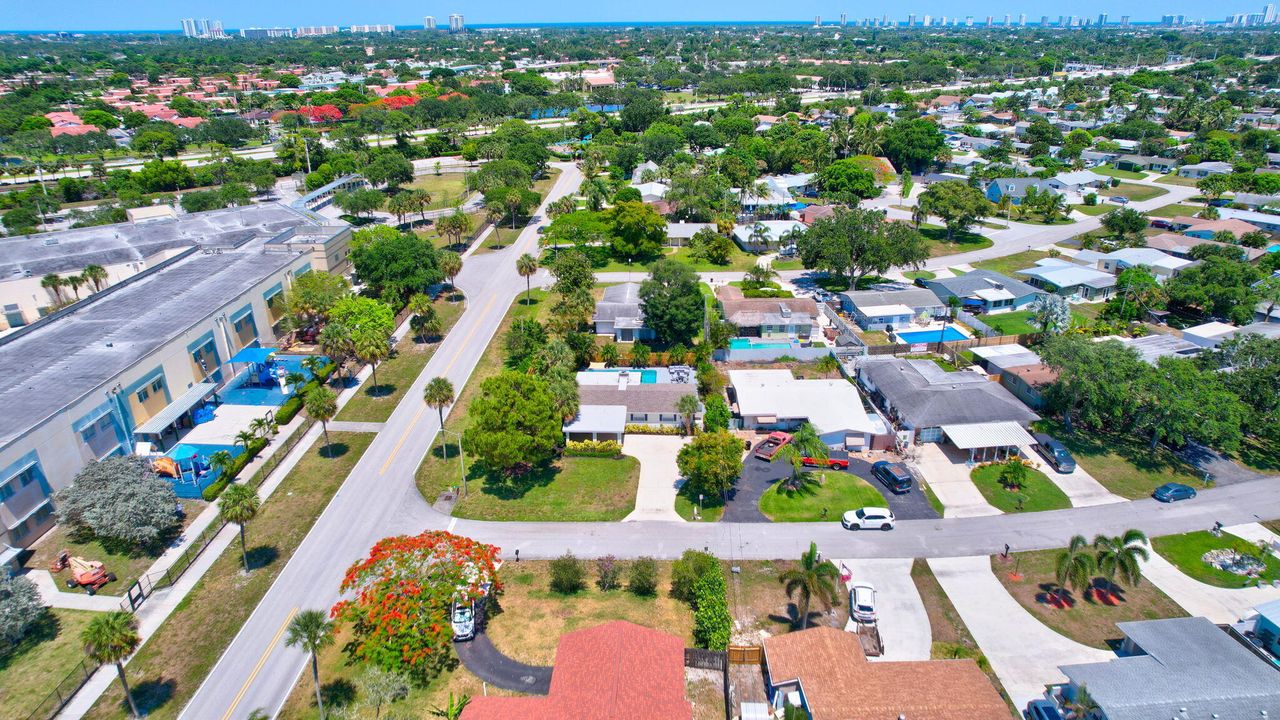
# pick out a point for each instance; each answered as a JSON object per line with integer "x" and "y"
{"x": 463, "y": 621}
{"x": 868, "y": 518}
{"x": 862, "y": 603}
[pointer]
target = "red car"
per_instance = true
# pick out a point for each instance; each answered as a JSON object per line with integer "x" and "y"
{"x": 771, "y": 445}
{"x": 833, "y": 463}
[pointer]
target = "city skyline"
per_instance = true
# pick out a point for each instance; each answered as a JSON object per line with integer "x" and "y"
{"x": 152, "y": 15}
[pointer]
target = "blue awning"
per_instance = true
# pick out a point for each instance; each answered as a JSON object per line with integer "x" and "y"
{"x": 253, "y": 355}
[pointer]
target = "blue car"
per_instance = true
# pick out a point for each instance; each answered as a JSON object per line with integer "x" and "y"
{"x": 1042, "y": 710}
{"x": 1173, "y": 492}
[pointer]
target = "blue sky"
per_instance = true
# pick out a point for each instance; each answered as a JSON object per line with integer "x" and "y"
{"x": 164, "y": 14}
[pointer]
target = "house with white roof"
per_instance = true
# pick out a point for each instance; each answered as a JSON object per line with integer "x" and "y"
{"x": 1204, "y": 169}
{"x": 1080, "y": 181}
{"x": 775, "y": 400}
{"x": 1070, "y": 280}
{"x": 652, "y": 192}
{"x": 1162, "y": 265}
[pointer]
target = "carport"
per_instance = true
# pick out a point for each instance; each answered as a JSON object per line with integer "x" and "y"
{"x": 597, "y": 422}
{"x": 176, "y": 414}
{"x": 988, "y": 441}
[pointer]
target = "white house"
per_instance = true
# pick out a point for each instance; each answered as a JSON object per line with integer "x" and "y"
{"x": 776, "y": 400}
{"x": 1204, "y": 169}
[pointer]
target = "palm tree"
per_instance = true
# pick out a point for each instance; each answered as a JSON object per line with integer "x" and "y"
{"x": 421, "y": 308}
{"x": 494, "y": 215}
{"x": 919, "y": 213}
{"x": 805, "y": 443}
{"x": 759, "y": 235}
{"x": 527, "y": 265}
{"x": 450, "y": 263}
{"x": 1119, "y": 557}
{"x": 453, "y": 709}
{"x": 96, "y": 275}
{"x": 110, "y": 638}
{"x": 260, "y": 426}
{"x": 313, "y": 364}
{"x": 221, "y": 461}
{"x": 322, "y": 404}
{"x": 760, "y": 274}
{"x": 1075, "y": 565}
{"x": 313, "y": 632}
{"x": 53, "y": 282}
{"x": 812, "y": 579}
{"x": 400, "y": 204}
{"x": 420, "y": 199}
{"x": 239, "y": 504}
{"x": 372, "y": 349}
{"x": 244, "y": 438}
{"x": 688, "y": 406}
{"x": 438, "y": 393}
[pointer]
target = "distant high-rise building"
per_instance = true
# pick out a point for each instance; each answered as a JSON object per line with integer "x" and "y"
{"x": 255, "y": 33}
{"x": 188, "y": 27}
{"x": 817, "y": 21}
{"x": 455, "y": 23}
{"x": 1269, "y": 14}
{"x": 911, "y": 19}
{"x": 1124, "y": 21}
{"x": 1007, "y": 18}
{"x": 316, "y": 30}
{"x": 372, "y": 29}
{"x": 1022, "y": 20}
{"x": 991, "y": 20}
{"x": 428, "y": 23}
{"x": 1044, "y": 21}
{"x": 202, "y": 28}
{"x": 844, "y": 19}
{"x": 943, "y": 22}
{"x": 1102, "y": 18}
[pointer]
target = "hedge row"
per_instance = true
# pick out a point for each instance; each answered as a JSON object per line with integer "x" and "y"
{"x": 593, "y": 448}
{"x": 698, "y": 579}
{"x": 640, "y": 429}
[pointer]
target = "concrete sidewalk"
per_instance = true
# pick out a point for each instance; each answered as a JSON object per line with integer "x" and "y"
{"x": 1220, "y": 605}
{"x": 1023, "y": 652}
{"x": 1081, "y": 487}
{"x": 948, "y": 476}
{"x": 659, "y": 477}
{"x": 901, "y": 617}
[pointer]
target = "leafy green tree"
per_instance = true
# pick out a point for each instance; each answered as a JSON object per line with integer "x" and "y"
{"x": 672, "y": 303}
{"x": 636, "y": 230}
{"x": 402, "y": 264}
{"x": 1052, "y": 313}
{"x": 359, "y": 202}
{"x": 118, "y": 499}
{"x": 380, "y": 687}
{"x": 913, "y": 144}
{"x": 514, "y": 423}
{"x": 312, "y": 632}
{"x": 716, "y": 416}
{"x": 239, "y": 504}
{"x": 21, "y": 609}
{"x": 812, "y": 579}
{"x": 1177, "y": 402}
{"x": 110, "y": 638}
{"x": 1218, "y": 286}
{"x": 313, "y": 295}
{"x": 660, "y": 141}
{"x": 959, "y": 204}
{"x": 858, "y": 242}
{"x": 1096, "y": 382}
{"x": 847, "y": 181}
{"x": 1124, "y": 223}
{"x": 389, "y": 168}
{"x": 711, "y": 463}
{"x": 711, "y": 246}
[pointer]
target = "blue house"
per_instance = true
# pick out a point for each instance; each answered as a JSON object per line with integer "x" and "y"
{"x": 985, "y": 291}
{"x": 1266, "y": 627}
{"x": 1015, "y": 188}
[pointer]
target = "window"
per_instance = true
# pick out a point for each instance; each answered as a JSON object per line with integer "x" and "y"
{"x": 157, "y": 385}
{"x": 19, "y": 531}
{"x": 143, "y": 394}
{"x": 638, "y": 417}
{"x": 6, "y": 491}
{"x": 931, "y": 434}
{"x": 42, "y": 514}
{"x": 28, "y": 476}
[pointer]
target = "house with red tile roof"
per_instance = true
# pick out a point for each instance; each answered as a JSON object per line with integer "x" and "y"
{"x": 614, "y": 671}
{"x": 73, "y": 130}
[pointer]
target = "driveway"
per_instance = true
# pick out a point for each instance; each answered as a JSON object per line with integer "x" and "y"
{"x": 901, "y": 618}
{"x": 758, "y": 475}
{"x": 1220, "y": 605}
{"x": 487, "y": 663}
{"x": 911, "y": 505}
{"x": 1081, "y": 487}
{"x": 659, "y": 477}
{"x": 947, "y": 472}
{"x": 1023, "y": 652}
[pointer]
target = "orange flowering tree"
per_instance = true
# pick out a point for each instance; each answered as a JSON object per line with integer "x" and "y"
{"x": 399, "y": 597}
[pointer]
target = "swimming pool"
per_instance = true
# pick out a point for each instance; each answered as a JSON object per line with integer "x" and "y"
{"x": 647, "y": 377}
{"x": 947, "y": 334}
{"x": 243, "y": 393}
{"x": 749, "y": 344}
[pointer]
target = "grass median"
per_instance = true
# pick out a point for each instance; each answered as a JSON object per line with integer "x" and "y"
{"x": 170, "y": 667}
{"x": 1036, "y": 494}
{"x": 832, "y": 492}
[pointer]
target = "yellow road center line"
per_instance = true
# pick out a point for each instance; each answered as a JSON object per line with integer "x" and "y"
{"x": 261, "y": 662}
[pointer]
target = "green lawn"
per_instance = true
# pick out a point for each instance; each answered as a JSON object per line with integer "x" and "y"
{"x": 375, "y": 402}
{"x": 712, "y": 508}
{"x": 49, "y": 652}
{"x": 1099, "y": 209}
{"x": 1185, "y": 551}
{"x": 447, "y": 189}
{"x": 959, "y": 243}
{"x": 1134, "y": 191}
{"x": 1174, "y": 178}
{"x": 1089, "y": 620}
{"x": 1011, "y": 323}
{"x": 1124, "y": 464}
{"x": 603, "y": 261}
{"x": 166, "y": 671}
{"x": 913, "y": 274}
{"x": 575, "y": 489}
{"x": 1175, "y": 210}
{"x": 1259, "y": 454}
{"x": 781, "y": 265}
{"x": 1038, "y": 493}
{"x": 738, "y": 260}
{"x": 839, "y": 492}
{"x": 1115, "y": 172}
{"x": 1010, "y": 264}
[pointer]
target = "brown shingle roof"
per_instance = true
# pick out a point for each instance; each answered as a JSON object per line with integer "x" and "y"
{"x": 745, "y": 311}
{"x": 645, "y": 398}
{"x": 1035, "y": 375}
{"x": 838, "y": 682}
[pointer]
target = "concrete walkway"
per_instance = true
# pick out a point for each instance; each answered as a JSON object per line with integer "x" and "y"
{"x": 1256, "y": 532}
{"x": 948, "y": 474}
{"x": 901, "y": 617}
{"x": 55, "y": 596}
{"x": 1220, "y": 605}
{"x": 354, "y": 426}
{"x": 1081, "y": 487}
{"x": 659, "y": 477}
{"x": 1023, "y": 652}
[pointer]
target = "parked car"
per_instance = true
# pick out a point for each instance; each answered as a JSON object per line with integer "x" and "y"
{"x": 1173, "y": 492}
{"x": 895, "y": 476}
{"x": 1119, "y": 199}
{"x": 1042, "y": 710}
{"x": 771, "y": 445}
{"x": 463, "y": 621}
{"x": 862, "y": 603}
{"x": 868, "y": 517}
{"x": 1056, "y": 453}
{"x": 835, "y": 461}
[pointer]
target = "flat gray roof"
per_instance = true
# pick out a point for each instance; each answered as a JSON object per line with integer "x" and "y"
{"x": 925, "y": 395}
{"x": 73, "y": 250}
{"x": 53, "y": 365}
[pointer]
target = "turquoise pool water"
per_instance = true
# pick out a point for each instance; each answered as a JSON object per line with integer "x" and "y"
{"x": 749, "y": 344}
{"x": 191, "y": 455}
{"x": 1273, "y": 248}
{"x": 647, "y": 377}
{"x": 927, "y": 336}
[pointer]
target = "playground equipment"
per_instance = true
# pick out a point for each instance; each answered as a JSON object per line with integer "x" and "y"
{"x": 166, "y": 466}
{"x": 88, "y": 574}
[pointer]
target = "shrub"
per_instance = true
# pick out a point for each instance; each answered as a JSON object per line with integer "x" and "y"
{"x": 567, "y": 574}
{"x": 716, "y": 417}
{"x": 1091, "y": 199}
{"x": 593, "y": 448}
{"x": 643, "y": 576}
{"x": 608, "y": 573}
{"x": 712, "y": 623}
{"x": 291, "y": 407}
{"x": 686, "y": 571}
{"x": 637, "y": 429}
{"x": 20, "y": 609}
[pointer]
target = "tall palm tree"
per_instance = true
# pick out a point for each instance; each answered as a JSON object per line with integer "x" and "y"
{"x": 372, "y": 349}
{"x": 322, "y": 404}
{"x": 239, "y": 504}
{"x": 96, "y": 275}
{"x": 421, "y": 201}
{"x": 1075, "y": 565}
{"x": 420, "y": 307}
{"x": 449, "y": 262}
{"x": 1119, "y": 557}
{"x": 527, "y": 266}
{"x": 312, "y": 631}
{"x": 759, "y": 235}
{"x": 805, "y": 443}
{"x": 438, "y": 393}
{"x": 811, "y": 580}
{"x": 110, "y": 638}
{"x": 244, "y": 438}
{"x": 53, "y": 282}
{"x": 221, "y": 461}
{"x": 687, "y": 406}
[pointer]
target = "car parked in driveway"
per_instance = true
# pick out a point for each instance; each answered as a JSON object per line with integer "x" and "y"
{"x": 862, "y": 603}
{"x": 463, "y": 621}
{"x": 1056, "y": 453}
{"x": 868, "y": 518}
{"x": 1042, "y": 710}
{"x": 835, "y": 460}
{"x": 1173, "y": 492}
{"x": 1120, "y": 199}
{"x": 895, "y": 476}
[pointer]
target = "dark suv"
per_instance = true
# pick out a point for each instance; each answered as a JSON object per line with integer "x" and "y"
{"x": 1056, "y": 453}
{"x": 895, "y": 476}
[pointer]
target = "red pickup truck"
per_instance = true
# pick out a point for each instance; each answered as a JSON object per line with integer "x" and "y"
{"x": 771, "y": 445}
{"x": 833, "y": 462}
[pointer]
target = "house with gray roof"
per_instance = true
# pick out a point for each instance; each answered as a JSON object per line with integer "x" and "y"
{"x": 1016, "y": 188}
{"x": 619, "y": 315}
{"x": 1069, "y": 280}
{"x": 985, "y": 291}
{"x": 1204, "y": 169}
{"x": 606, "y": 409}
{"x": 1179, "y": 668}
{"x": 881, "y": 309}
